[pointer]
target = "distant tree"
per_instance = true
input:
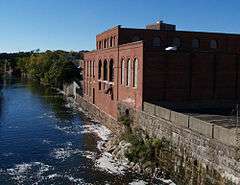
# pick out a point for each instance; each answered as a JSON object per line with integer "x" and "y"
{"x": 50, "y": 67}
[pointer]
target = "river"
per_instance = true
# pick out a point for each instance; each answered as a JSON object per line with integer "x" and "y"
{"x": 44, "y": 140}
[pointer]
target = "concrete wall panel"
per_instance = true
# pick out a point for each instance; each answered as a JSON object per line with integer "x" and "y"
{"x": 201, "y": 127}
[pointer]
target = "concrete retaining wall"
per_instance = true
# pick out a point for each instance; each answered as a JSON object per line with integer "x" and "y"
{"x": 224, "y": 135}
{"x": 162, "y": 112}
{"x": 149, "y": 108}
{"x": 214, "y": 153}
{"x": 179, "y": 119}
{"x": 201, "y": 127}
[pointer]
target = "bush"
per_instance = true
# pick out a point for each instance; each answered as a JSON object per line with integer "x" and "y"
{"x": 145, "y": 150}
{"x": 125, "y": 120}
{"x": 138, "y": 149}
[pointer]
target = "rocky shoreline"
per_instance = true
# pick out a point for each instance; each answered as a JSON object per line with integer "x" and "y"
{"x": 118, "y": 149}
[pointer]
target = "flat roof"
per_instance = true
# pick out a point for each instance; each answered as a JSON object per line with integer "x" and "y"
{"x": 222, "y": 113}
{"x": 183, "y": 31}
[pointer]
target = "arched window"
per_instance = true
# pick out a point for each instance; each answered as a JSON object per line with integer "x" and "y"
{"x": 99, "y": 44}
{"x": 135, "y": 38}
{"x": 84, "y": 68}
{"x": 156, "y": 42}
{"x": 93, "y": 68}
{"x": 108, "y": 42}
{"x": 195, "y": 43}
{"x": 213, "y": 44}
{"x": 111, "y": 42}
{"x": 135, "y": 72}
{"x": 90, "y": 69}
{"x": 122, "y": 71}
{"x": 111, "y": 71}
{"x": 177, "y": 42}
{"x": 87, "y": 68}
{"x": 114, "y": 41}
{"x": 105, "y": 70}
{"x": 105, "y": 43}
{"x": 128, "y": 77}
{"x": 99, "y": 69}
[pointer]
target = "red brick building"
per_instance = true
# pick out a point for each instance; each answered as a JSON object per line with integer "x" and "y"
{"x": 161, "y": 64}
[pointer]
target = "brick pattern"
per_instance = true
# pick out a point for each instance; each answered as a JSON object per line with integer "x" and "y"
{"x": 188, "y": 74}
{"x": 184, "y": 76}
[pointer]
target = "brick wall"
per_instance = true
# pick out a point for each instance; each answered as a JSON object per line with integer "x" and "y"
{"x": 184, "y": 76}
{"x": 121, "y": 92}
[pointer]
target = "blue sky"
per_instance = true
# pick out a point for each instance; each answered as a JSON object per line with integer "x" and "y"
{"x": 72, "y": 24}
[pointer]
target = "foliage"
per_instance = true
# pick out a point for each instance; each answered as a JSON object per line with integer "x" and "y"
{"x": 125, "y": 120}
{"x": 11, "y": 59}
{"x": 53, "y": 68}
{"x": 146, "y": 150}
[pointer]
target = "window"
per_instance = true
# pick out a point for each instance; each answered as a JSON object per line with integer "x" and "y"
{"x": 135, "y": 72}
{"x": 156, "y": 42}
{"x": 84, "y": 68}
{"x": 128, "y": 77}
{"x": 111, "y": 42}
{"x": 105, "y": 70}
{"x": 135, "y": 38}
{"x": 90, "y": 68}
{"x": 213, "y": 44}
{"x": 99, "y": 69}
{"x": 99, "y": 44}
{"x": 99, "y": 86}
{"x": 108, "y": 42}
{"x": 176, "y": 42}
{"x": 87, "y": 68}
{"x": 195, "y": 43}
{"x": 122, "y": 71}
{"x": 111, "y": 71}
{"x": 93, "y": 68}
{"x": 105, "y": 43}
{"x": 114, "y": 41}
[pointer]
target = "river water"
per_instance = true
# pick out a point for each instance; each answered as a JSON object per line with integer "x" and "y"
{"x": 43, "y": 140}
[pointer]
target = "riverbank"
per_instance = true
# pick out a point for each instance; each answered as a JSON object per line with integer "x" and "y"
{"x": 190, "y": 159}
{"x": 114, "y": 148}
{"x": 46, "y": 141}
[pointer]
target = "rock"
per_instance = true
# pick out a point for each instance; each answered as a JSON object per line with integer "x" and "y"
{"x": 148, "y": 170}
{"x": 147, "y": 164}
{"x": 127, "y": 146}
{"x": 115, "y": 151}
{"x": 125, "y": 161}
{"x": 110, "y": 148}
{"x": 131, "y": 164}
{"x": 122, "y": 143}
{"x": 119, "y": 155}
{"x": 137, "y": 168}
{"x": 119, "y": 151}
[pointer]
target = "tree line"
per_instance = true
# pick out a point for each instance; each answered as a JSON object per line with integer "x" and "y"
{"x": 50, "y": 67}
